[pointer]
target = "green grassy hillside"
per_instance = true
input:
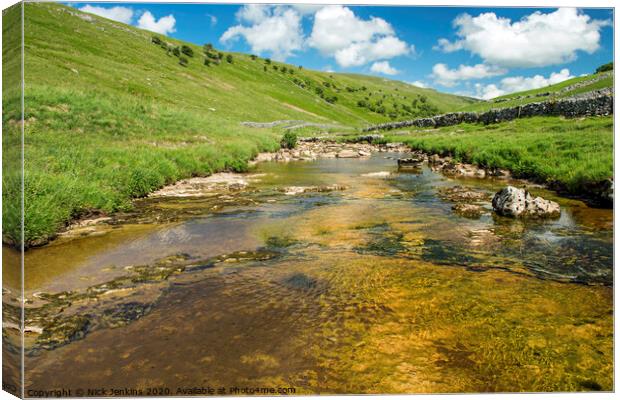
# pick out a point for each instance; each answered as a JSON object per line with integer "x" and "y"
{"x": 568, "y": 88}
{"x": 111, "y": 115}
{"x": 569, "y": 154}
{"x": 573, "y": 155}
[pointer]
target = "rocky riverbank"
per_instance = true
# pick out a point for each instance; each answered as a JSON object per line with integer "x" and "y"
{"x": 310, "y": 149}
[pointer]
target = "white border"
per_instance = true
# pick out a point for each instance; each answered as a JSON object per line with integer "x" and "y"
{"x": 457, "y": 3}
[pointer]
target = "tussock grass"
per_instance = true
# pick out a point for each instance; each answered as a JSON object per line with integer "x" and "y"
{"x": 570, "y": 152}
{"x": 90, "y": 151}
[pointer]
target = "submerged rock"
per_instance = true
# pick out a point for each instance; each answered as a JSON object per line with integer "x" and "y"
{"x": 461, "y": 194}
{"x": 514, "y": 202}
{"x": 469, "y": 202}
{"x": 468, "y": 210}
{"x": 294, "y": 190}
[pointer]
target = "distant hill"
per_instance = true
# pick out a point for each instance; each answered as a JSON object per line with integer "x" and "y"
{"x": 71, "y": 49}
{"x": 568, "y": 88}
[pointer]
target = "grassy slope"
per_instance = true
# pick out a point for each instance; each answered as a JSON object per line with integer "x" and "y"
{"x": 11, "y": 131}
{"x": 553, "y": 90}
{"x": 110, "y": 116}
{"x": 572, "y": 153}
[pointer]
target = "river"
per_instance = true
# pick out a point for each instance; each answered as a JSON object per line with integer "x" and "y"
{"x": 330, "y": 276}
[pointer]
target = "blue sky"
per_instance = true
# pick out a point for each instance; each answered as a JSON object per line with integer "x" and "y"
{"x": 482, "y": 52}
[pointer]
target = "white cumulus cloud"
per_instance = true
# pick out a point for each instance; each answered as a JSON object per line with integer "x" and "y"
{"x": 450, "y": 77}
{"x": 419, "y": 84}
{"x": 384, "y": 67}
{"x": 120, "y": 14}
{"x": 520, "y": 83}
{"x": 276, "y": 30}
{"x": 164, "y": 25}
{"x": 337, "y": 32}
{"x": 488, "y": 92}
{"x": 536, "y": 40}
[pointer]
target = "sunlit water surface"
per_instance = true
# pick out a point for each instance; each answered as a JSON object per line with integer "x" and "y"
{"x": 379, "y": 288}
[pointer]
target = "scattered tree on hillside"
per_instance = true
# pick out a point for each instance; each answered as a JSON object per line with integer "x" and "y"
{"x": 187, "y": 51}
{"x": 207, "y": 48}
{"x": 207, "y": 61}
{"x": 229, "y": 59}
{"x": 300, "y": 67}
{"x": 331, "y": 99}
{"x": 605, "y": 67}
{"x": 156, "y": 40}
{"x": 265, "y": 68}
{"x": 220, "y": 55}
{"x": 275, "y": 67}
{"x": 183, "y": 61}
{"x": 267, "y": 60}
{"x": 253, "y": 57}
{"x": 176, "y": 52}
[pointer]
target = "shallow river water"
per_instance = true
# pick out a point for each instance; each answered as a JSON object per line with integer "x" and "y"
{"x": 365, "y": 283}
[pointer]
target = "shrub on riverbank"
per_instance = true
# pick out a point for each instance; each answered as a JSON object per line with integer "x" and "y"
{"x": 289, "y": 140}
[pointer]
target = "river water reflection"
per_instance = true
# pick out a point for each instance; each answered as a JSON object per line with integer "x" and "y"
{"x": 367, "y": 282}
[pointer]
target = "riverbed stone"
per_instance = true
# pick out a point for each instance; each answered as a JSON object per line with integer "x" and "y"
{"x": 295, "y": 190}
{"x": 462, "y": 194}
{"x": 468, "y": 210}
{"x": 379, "y": 174}
{"x": 348, "y": 154}
{"x": 514, "y": 202}
{"x": 410, "y": 162}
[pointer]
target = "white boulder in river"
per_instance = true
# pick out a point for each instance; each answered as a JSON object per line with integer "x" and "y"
{"x": 514, "y": 202}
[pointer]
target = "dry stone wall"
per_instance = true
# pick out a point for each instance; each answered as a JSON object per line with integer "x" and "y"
{"x": 598, "y": 102}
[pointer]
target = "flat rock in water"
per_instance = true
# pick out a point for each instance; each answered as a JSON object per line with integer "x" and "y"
{"x": 514, "y": 202}
{"x": 461, "y": 194}
{"x": 380, "y": 174}
{"x": 409, "y": 162}
{"x": 348, "y": 154}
